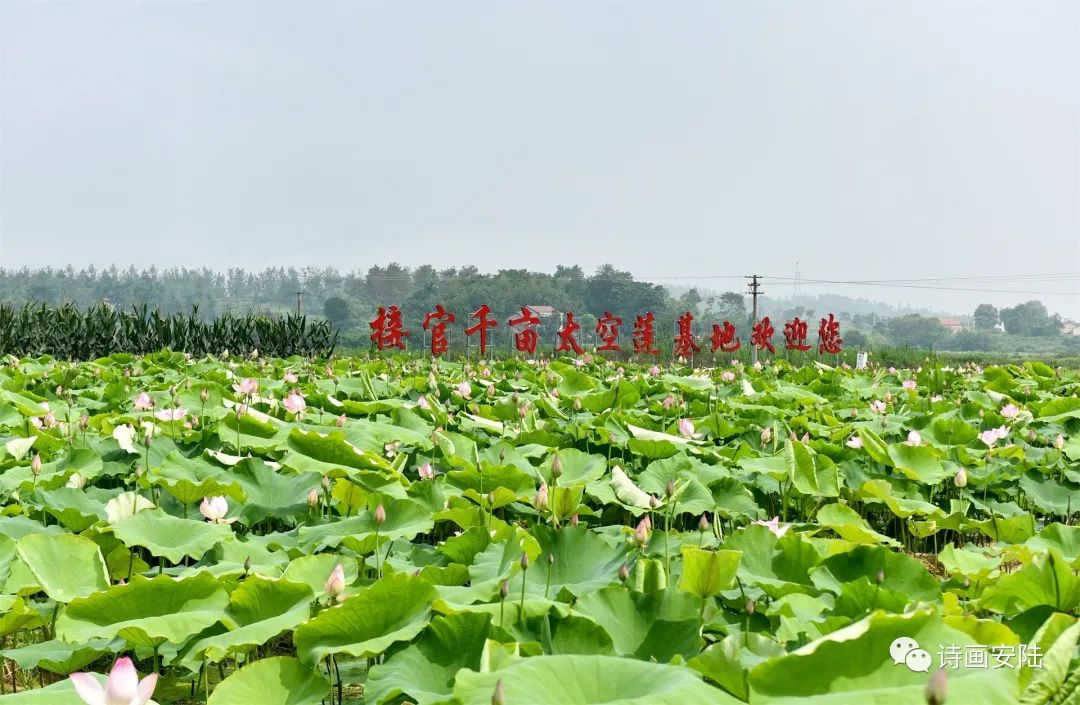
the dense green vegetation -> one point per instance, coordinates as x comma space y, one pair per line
296, 531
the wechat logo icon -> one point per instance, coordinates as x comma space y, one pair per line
906, 651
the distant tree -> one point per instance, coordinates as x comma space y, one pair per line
731, 307
854, 339
336, 309
1030, 318
986, 317
916, 331
969, 340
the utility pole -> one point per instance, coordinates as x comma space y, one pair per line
299, 294
755, 290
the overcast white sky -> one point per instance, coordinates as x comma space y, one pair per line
866, 140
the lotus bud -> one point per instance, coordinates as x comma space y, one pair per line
1059, 442
499, 696
148, 438
935, 689
806, 437
247, 565
35, 464
504, 589
703, 524
641, 533
550, 559
961, 478
654, 501
541, 500
491, 499
502, 455
669, 401
335, 584
84, 422
879, 577
380, 515
750, 607
241, 410
577, 404
204, 395
340, 421
523, 411
766, 435
574, 520
669, 488
624, 573
524, 561
313, 498
966, 583
426, 471
556, 466
326, 483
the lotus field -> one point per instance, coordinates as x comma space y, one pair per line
252, 531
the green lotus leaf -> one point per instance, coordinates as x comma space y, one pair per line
846, 522
1047, 580
147, 611
271, 493
272, 681
708, 573
57, 656
394, 609
65, 566
170, 537
656, 626
587, 680
728, 662
405, 519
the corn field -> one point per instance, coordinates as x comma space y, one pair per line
69, 332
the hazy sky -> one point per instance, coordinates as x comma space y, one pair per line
866, 140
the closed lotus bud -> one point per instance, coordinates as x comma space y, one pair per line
523, 411
703, 524
961, 478
35, 464
491, 499
879, 577
499, 696
524, 561
340, 421
669, 488
935, 689
241, 409
577, 404
574, 520
502, 454
641, 533
380, 515
624, 573
750, 607
326, 483
669, 401
766, 434
313, 498
148, 439
556, 466
204, 395
426, 471
806, 437
541, 500
247, 565
654, 501
966, 583
550, 559
1059, 442
335, 584
84, 422
504, 589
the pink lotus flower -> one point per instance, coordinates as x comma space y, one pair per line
727, 376
1059, 442
247, 387
143, 402
291, 378
913, 439
773, 525
854, 442
991, 436
686, 428
122, 687
766, 434
578, 362
294, 403
541, 500
909, 384
641, 533
669, 401
1010, 411
892, 370
654, 370
426, 471
176, 414
423, 403
215, 509
877, 406
335, 584
464, 389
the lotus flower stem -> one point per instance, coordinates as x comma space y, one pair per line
337, 677
378, 556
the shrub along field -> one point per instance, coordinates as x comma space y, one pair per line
289, 531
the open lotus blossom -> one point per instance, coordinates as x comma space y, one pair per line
291, 378
909, 384
215, 509
686, 428
294, 403
335, 584
143, 401
993, 435
913, 439
727, 376
877, 406
936, 398
426, 471
423, 403
176, 414
247, 387
892, 370
122, 687
76, 481
854, 442
773, 525
1010, 411
654, 370
464, 389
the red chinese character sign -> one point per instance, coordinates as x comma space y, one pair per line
567, 341
829, 340
724, 338
481, 326
387, 330
644, 337
795, 335
761, 337
525, 335
607, 329
435, 321
684, 339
